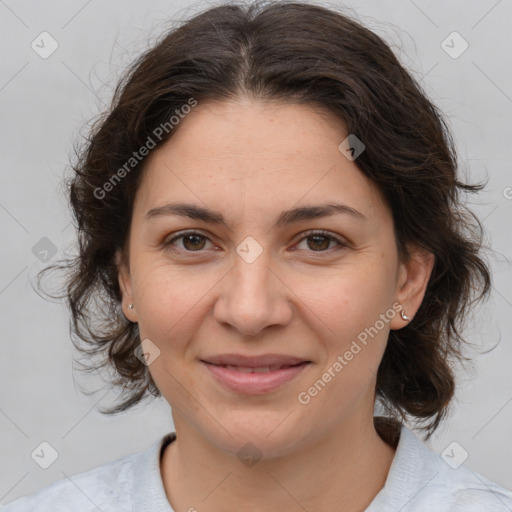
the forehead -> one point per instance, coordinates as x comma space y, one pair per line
265, 154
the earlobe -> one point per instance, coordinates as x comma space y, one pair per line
126, 288
412, 282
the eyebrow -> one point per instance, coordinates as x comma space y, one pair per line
287, 217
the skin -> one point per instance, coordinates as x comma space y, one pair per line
302, 296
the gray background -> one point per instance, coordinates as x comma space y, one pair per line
45, 102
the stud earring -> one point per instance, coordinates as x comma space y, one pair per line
404, 316
130, 306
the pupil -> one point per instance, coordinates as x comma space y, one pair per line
193, 237
316, 237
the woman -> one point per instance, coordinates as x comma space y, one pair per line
270, 214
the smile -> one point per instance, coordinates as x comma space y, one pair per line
254, 380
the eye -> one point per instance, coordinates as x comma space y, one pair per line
321, 240
194, 241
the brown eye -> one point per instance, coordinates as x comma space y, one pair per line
319, 241
191, 242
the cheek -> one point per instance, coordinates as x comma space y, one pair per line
166, 299
351, 298
356, 307
355, 349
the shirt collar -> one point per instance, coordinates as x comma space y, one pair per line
148, 493
410, 471
413, 467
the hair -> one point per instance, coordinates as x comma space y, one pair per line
303, 54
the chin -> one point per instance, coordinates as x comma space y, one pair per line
258, 437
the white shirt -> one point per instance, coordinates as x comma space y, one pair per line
419, 480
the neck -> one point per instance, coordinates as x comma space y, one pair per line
347, 467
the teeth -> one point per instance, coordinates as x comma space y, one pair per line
245, 369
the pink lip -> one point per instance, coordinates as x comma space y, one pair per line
254, 383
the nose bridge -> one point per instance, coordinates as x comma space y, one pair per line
252, 296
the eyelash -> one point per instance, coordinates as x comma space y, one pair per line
306, 235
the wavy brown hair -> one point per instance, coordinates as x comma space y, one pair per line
305, 54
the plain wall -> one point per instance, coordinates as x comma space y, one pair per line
45, 102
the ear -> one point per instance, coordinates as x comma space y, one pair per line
413, 278
125, 285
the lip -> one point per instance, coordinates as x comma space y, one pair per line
254, 361
254, 383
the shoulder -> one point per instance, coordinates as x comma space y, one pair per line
106, 488
465, 490
420, 479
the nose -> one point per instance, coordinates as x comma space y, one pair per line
253, 297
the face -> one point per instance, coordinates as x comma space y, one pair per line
323, 289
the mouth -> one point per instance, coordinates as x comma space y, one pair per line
255, 378
275, 361
259, 369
